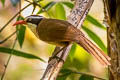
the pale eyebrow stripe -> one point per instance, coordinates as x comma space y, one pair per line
35, 17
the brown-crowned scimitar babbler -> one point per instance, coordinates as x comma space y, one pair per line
62, 33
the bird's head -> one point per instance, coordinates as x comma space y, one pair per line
31, 21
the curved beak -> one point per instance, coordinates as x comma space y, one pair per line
19, 22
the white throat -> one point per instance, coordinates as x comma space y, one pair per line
33, 28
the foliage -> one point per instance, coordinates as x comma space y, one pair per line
19, 53
21, 32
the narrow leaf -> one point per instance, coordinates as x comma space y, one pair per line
95, 38
21, 32
60, 11
19, 53
86, 77
47, 7
95, 22
3, 2
68, 4
21, 35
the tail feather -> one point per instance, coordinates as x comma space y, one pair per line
94, 50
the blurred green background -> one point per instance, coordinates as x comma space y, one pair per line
30, 67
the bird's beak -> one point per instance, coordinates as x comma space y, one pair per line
19, 22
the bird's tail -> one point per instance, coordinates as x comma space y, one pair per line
94, 50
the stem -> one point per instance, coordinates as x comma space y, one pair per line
34, 6
2, 77
82, 73
88, 75
35, 3
14, 17
7, 37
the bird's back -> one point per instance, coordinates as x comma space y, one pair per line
57, 32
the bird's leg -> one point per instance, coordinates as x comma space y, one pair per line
56, 53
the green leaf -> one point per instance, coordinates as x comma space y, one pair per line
60, 11
95, 22
95, 38
21, 32
86, 77
21, 35
3, 2
68, 4
19, 53
72, 51
47, 7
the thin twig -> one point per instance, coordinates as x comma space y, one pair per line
14, 17
7, 37
28, 1
82, 73
34, 6
35, 3
88, 75
6, 65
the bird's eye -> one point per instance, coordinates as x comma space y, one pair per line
29, 20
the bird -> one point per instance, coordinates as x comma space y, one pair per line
62, 33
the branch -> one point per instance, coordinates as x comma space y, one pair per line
76, 18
